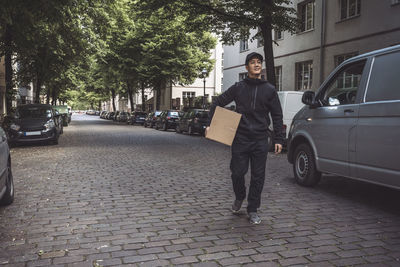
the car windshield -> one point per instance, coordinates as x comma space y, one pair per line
203, 115
33, 112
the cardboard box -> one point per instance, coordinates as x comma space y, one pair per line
223, 126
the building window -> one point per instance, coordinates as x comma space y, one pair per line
278, 35
303, 75
340, 58
242, 76
349, 8
278, 78
188, 94
244, 45
306, 13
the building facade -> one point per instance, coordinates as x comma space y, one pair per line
330, 32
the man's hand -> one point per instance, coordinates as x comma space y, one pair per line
207, 128
278, 148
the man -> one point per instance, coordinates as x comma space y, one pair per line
254, 99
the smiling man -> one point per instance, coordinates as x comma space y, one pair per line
255, 99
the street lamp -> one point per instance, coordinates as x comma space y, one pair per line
204, 72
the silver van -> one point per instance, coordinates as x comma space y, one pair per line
351, 126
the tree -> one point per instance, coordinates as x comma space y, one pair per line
233, 20
173, 51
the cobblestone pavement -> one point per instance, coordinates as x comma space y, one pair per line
118, 195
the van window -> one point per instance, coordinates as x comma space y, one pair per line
342, 89
385, 78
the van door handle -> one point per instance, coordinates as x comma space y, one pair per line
348, 110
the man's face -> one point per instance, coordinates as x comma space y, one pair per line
254, 68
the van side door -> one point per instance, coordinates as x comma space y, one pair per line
378, 127
333, 124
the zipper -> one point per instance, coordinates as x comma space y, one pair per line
255, 98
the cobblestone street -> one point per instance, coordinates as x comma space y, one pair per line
119, 195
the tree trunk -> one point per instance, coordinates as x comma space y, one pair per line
158, 95
38, 87
113, 99
143, 98
48, 96
8, 67
266, 30
54, 97
130, 95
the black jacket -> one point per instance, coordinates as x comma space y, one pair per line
254, 99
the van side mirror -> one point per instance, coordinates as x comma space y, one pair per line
309, 99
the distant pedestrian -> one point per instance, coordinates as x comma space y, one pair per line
255, 99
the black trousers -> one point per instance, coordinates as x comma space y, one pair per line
243, 152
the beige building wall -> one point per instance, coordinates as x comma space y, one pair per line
377, 26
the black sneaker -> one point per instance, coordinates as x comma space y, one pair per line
254, 218
237, 204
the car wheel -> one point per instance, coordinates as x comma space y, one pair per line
190, 130
164, 126
271, 145
304, 168
8, 196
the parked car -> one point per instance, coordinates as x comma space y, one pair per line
193, 121
168, 119
63, 111
151, 118
6, 177
350, 126
137, 117
110, 115
35, 122
114, 117
122, 116
103, 114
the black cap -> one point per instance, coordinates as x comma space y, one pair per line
253, 55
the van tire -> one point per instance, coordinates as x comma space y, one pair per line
304, 168
8, 196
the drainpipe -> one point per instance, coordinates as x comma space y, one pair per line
322, 46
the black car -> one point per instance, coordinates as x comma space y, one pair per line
6, 177
193, 121
151, 119
35, 122
114, 117
122, 116
137, 117
168, 119
110, 115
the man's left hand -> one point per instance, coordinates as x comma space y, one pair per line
278, 148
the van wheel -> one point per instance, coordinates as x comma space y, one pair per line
304, 169
8, 196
